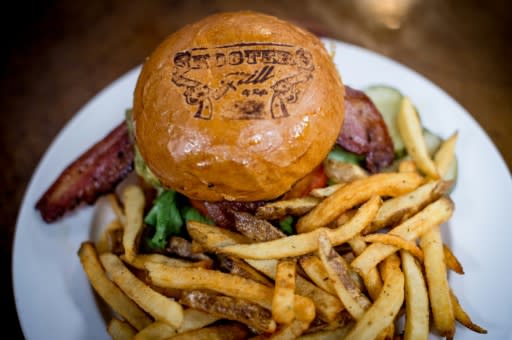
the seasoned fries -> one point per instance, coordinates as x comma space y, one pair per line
416, 299
230, 331
226, 307
327, 305
434, 214
111, 293
411, 131
400, 208
338, 271
284, 291
462, 317
313, 266
134, 201
279, 209
120, 330
366, 260
302, 244
157, 330
383, 311
159, 306
357, 192
212, 238
451, 260
445, 156
397, 241
195, 319
439, 290
341, 172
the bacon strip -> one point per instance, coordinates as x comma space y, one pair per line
364, 131
94, 173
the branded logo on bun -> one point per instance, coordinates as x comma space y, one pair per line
267, 76
237, 106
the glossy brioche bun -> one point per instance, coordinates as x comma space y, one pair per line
237, 106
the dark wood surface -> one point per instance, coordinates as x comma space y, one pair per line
57, 54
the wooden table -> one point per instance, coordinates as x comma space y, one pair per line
60, 53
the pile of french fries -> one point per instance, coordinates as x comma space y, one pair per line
367, 262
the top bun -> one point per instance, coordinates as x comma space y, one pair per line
237, 106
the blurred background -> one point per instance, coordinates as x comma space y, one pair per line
56, 55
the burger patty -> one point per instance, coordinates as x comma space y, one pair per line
98, 170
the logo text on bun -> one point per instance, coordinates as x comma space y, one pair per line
267, 76
237, 106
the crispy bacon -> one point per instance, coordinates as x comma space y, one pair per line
364, 131
94, 173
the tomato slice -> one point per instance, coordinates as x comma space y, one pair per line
315, 179
200, 206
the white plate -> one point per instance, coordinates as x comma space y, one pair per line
54, 299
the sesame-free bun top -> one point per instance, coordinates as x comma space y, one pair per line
237, 106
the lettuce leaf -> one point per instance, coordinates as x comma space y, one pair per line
168, 215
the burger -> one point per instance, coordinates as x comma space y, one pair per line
238, 107
229, 112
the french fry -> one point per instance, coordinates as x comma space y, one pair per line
328, 306
291, 330
228, 331
230, 308
236, 266
284, 291
108, 291
120, 330
352, 298
326, 191
371, 279
451, 260
434, 214
355, 193
437, 281
140, 260
195, 319
315, 270
344, 218
158, 330
302, 244
343, 172
278, 209
134, 201
396, 241
183, 248
330, 334
227, 284
255, 228
463, 317
107, 240
407, 165
159, 306
398, 209
411, 132
416, 299
342, 319
213, 237
445, 155
390, 266
116, 208
383, 311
